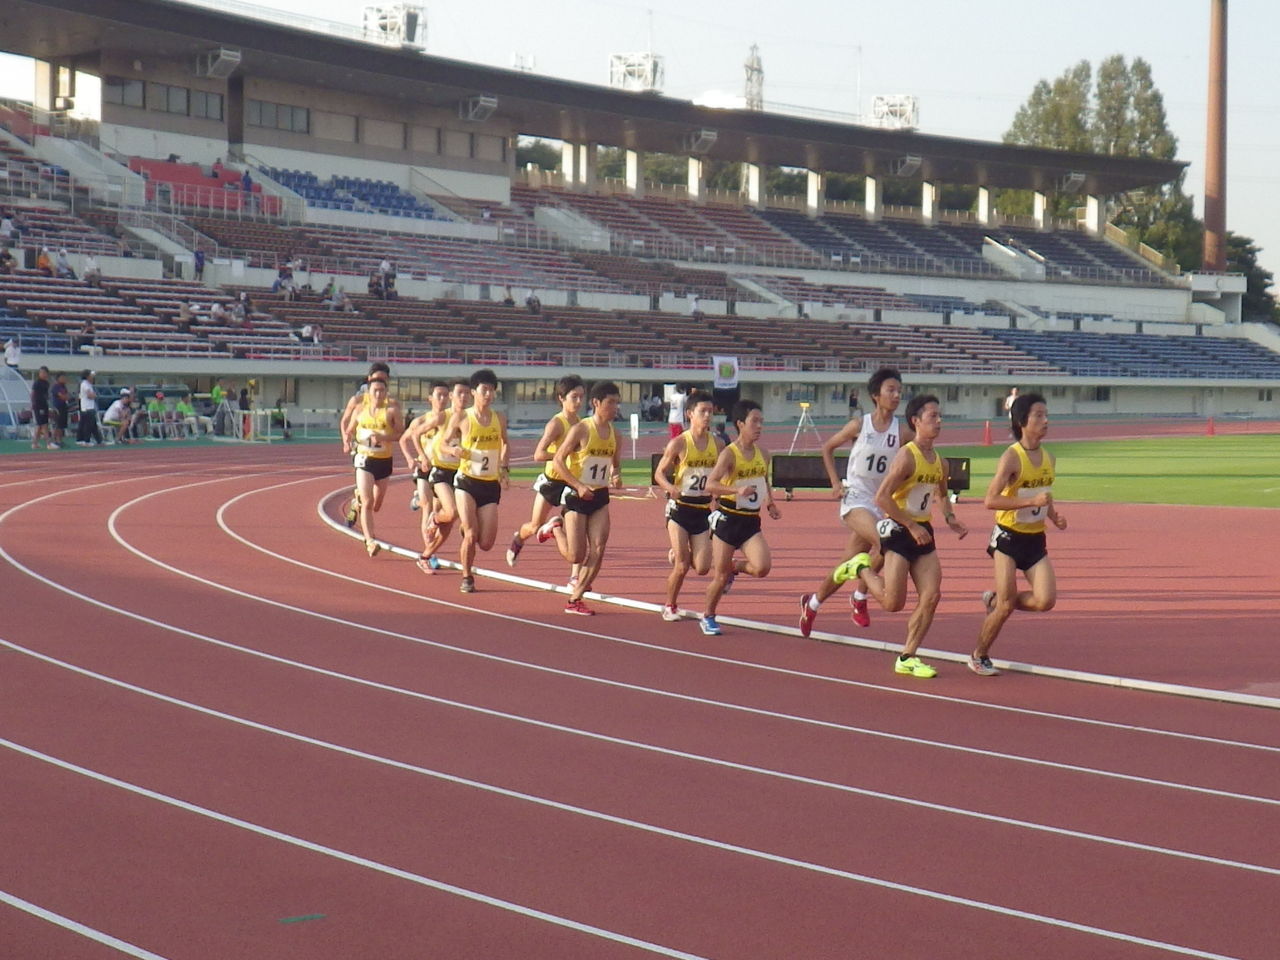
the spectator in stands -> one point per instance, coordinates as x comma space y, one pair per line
8, 229
44, 262
288, 287
8, 263
190, 420
387, 271
199, 266
376, 287
186, 316
532, 303
238, 317
326, 294
158, 414
87, 432
12, 353
92, 272
60, 401
247, 301
509, 299
854, 409
40, 410
119, 416
63, 266
246, 181
218, 313
695, 308
85, 340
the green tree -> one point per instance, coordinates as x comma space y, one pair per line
1121, 114
1242, 257
538, 152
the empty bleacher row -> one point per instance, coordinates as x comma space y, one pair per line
141, 317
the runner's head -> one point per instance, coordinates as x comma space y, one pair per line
571, 391
699, 408
460, 392
748, 418
1022, 411
924, 408
885, 388
484, 387
604, 398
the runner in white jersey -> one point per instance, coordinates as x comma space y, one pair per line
877, 437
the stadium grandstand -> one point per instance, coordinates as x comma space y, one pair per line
231, 147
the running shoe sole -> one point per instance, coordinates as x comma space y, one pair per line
807, 615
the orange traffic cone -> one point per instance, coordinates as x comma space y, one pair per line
1209, 430
986, 434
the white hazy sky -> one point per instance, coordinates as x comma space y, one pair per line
970, 65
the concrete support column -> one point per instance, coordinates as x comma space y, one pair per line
697, 180
587, 167
1095, 215
1040, 209
985, 212
634, 172
753, 184
569, 165
930, 191
816, 195
874, 204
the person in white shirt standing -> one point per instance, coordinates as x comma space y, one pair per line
675, 415
87, 433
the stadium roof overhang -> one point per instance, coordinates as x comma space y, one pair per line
78, 30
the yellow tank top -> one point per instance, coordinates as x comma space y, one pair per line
427, 441
439, 458
1029, 482
694, 470
592, 463
482, 448
746, 471
915, 495
550, 467
371, 420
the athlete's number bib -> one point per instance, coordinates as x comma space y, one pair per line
595, 471
1030, 515
484, 464
366, 442
753, 497
694, 482
873, 466
919, 499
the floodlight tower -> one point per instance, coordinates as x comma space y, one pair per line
1215, 160
402, 23
753, 96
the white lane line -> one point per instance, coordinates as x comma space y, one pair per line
697, 655
617, 684
345, 857
764, 626
636, 745
1089, 771
66, 923
587, 928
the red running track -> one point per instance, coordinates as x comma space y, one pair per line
228, 733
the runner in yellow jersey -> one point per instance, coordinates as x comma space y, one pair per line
692, 456
416, 444
917, 479
740, 481
548, 488
377, 371
589, 459
371, 433
444, 468
478, 438
1021, 493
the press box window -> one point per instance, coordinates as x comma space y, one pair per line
126, 93
166, 98
206, 105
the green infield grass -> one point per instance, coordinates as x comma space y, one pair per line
1228, 471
